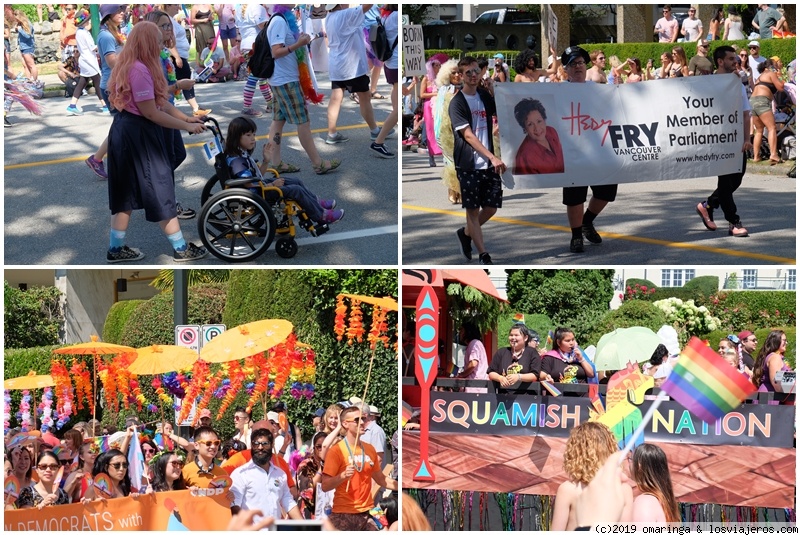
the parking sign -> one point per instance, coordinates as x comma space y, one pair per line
209, 332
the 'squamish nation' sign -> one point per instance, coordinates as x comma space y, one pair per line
609, 134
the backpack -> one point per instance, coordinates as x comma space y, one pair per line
380, 42
261, 64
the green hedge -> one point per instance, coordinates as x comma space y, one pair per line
630, 314
152, 322
117, 318
786, 49
754, 310
640, 282
708, 284
31, 317
538, 322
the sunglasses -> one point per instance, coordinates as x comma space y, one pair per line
318, 447
44, 467
166, 27
239, 417
119, 466
148, 450
359, 420
177, 464
209, 443
262, 445
472, 72
65, 462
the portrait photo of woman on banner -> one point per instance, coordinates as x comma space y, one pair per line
540, 151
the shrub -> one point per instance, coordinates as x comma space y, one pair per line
714, 337
560, 294
708, 284
629, 314
688, 318
754, 310
538, 322
33, 317
117, 318
641, 282
152, 322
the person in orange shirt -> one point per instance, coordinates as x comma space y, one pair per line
67, 33
202, 471
350, 468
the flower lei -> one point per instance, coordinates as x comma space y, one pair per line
46, 409
356, 327
63, 392
24, 414
169, 69
6, 411
83, 384
306, 83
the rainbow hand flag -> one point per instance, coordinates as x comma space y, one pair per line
519, 318
548, 343
407, 412
705, 384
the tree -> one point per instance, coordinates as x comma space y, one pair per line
33, 317
166, 277
416, 12
560, 294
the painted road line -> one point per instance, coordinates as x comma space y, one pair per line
187, 145
329, 237
639, 239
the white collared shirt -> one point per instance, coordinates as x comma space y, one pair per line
256, 488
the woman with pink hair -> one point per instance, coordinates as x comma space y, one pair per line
140, 170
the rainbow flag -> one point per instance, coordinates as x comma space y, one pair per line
519, 318
407, 412
705, 384
550, 387
548, 344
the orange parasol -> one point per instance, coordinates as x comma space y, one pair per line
29, 382
158, 359
246, 340
387, 303
95, 347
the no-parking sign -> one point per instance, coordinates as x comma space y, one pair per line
209, 332
188, 336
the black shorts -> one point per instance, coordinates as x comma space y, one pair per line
391, 75
359, 84
480, 188
577, 194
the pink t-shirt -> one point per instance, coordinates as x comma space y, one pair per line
141, 86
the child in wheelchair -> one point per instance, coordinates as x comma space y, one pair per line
239, 146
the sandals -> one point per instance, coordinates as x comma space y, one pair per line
326, 167
354, 98
775, 162
284, 167
377, 96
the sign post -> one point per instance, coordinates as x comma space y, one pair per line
413, 50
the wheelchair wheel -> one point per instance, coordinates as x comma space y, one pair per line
286, 247
236, 225
212, 186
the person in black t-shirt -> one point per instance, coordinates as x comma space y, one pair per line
563, 364
514, 365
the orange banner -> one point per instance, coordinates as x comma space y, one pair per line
162, 511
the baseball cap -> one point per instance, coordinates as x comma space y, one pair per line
106, 10
319, 413
702, 42
572, 53
498, 56
205, 413
744, 334
775, 58
329, 7
753, 43
273, 416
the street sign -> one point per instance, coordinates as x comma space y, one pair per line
413, 51
188, 336
209, 332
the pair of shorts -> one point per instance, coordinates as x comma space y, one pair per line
760, 105
359, 84
480, 188
577, 194
391, 75
352, 522
228, 33
29, 51
289, 104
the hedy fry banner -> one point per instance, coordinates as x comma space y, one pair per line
598, 134
162, 511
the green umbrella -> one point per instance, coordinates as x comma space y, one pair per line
616, 349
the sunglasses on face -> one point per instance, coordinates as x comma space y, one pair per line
166, 27
176, 464
44, 467
359, 420
119, 466
239, 417
209, 443
148, 450
472, 72
65, 462
262, 445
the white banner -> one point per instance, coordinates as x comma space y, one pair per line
413, 51
597, 134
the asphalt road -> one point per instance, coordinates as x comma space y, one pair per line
56, 209
649, 223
